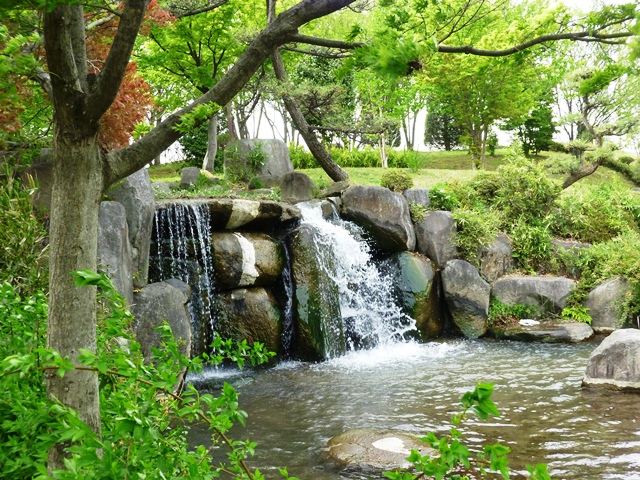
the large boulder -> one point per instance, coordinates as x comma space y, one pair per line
246, 259
251, 314
383, 213
318, 327
419, 196
136, 194
275, 163
467, 297
546, 331
435, 235
416, 289
604, 303
235, 213
547, 294
159, 302
368, 449
189, 177
297, 187
496, 260
114, 250
615, 363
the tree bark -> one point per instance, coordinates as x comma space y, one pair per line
584, 171
212, 145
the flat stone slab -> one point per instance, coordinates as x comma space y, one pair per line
368, 449
546, 331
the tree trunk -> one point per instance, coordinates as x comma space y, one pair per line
76, 194
383, 151
583, 171
318, 151
483, 148
212, 145
231, 123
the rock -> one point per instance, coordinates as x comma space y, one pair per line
380, 450
42, 173
415, 287
246, 259
546, 331
251, 314
275, 162
419, 196
189, 177
467, 297
297, 187
569, 245
496, 260
136, 194
334, 190
270, 182
159, 302
254, 215
435, 235
318, 319
547, 294
162, 187
383, 213
604, 303
615, 363
114, 249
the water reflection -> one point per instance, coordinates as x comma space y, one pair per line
546, 417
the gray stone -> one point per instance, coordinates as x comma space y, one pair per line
546, 331
383, 213
162, 187
114, 249
467, 297
569, 245
277, 161
252, 215
159, 302
435, 235
419, 196
251, 314
42, 173
246, 259
297, 187
547, 294
189, 177
615, 363
416, 288
136, 194
270, 181
604, 303
368, 449
318, 319
496, 260
334, 190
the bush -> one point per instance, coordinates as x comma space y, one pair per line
417, 211
626, 159
501, 314
449, 196
492, 144
301, 158
532, 247
476, 229
23, 254
396, 181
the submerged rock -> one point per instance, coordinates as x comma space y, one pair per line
379, 450
615, 363
546, 331
467, 296
383, 213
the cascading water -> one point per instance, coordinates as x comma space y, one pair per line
181, 248
369, 313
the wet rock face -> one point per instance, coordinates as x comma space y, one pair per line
246, 259
375, 450
467, 296
615, 363
383, 213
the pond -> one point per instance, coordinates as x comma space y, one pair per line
546, 417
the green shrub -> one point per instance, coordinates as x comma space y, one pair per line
578, 313
626, 159
476, 229
23, 254
301, 157
502, 314
449, 196
241, 167
417, 211
531, 244
255, 183
396, 180
492, 144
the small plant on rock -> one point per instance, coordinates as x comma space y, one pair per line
396, 181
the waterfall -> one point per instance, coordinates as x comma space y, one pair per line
181, 248
370, 315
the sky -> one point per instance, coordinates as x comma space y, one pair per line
587, 5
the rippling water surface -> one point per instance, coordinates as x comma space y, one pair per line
546, 417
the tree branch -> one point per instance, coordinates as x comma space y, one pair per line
324, 42
191, 13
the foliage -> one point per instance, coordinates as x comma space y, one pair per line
454, 457
441, 130
475, 229
531, 244
144, 423
492, 144
194, 143
301, 157
242, 166
23, 254
578, 313
396, 181
415, 160
536, 131
502, 314
417, 211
